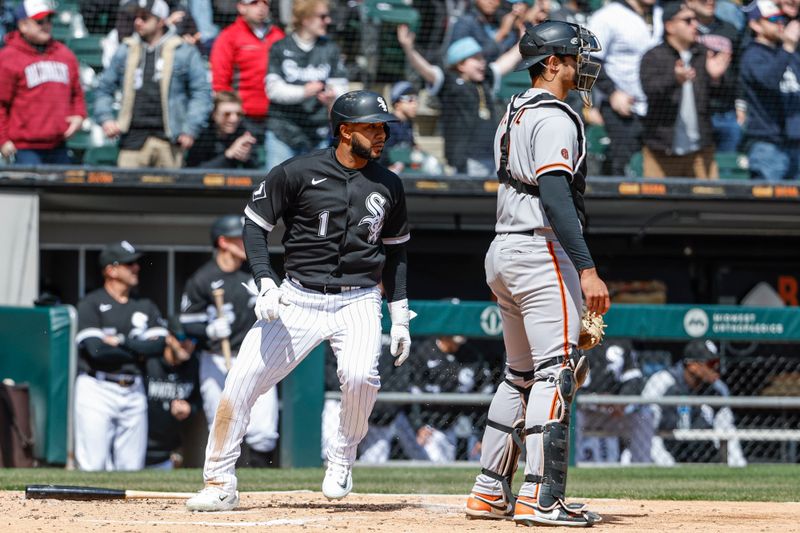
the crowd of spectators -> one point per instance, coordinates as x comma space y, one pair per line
169, 75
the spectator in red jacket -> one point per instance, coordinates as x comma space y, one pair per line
41, 100
241, 52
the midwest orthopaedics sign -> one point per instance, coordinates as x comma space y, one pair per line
762, 323
744, 323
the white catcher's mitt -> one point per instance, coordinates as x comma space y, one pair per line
592, 330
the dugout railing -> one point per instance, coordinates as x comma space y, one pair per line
657, 323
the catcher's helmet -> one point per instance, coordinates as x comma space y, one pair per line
553, 37
360, 107
227, 226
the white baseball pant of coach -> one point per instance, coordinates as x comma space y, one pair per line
351, 321
110, 424
262, 432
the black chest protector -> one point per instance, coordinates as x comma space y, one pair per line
578, 182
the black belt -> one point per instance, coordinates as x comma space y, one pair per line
123, 380
531, 232
326, 289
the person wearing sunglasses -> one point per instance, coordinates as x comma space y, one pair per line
41, 100
677, 132
770, 70
225, 142
117, 334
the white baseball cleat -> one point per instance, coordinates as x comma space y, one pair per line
338, 481
213, 499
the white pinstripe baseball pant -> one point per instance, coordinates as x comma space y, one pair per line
351, 321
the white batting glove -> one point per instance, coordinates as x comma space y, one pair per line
401, 337
269, 301
219, 328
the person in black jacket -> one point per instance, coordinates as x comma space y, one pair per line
677, 133
224, 143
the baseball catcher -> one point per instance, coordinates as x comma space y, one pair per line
540, 269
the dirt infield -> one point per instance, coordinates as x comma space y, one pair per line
305, 511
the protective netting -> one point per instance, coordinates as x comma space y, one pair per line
448, 79
705, 402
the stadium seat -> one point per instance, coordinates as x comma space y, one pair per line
597, 140
513, 83
732, 165
101, 156
634, 167
68, 23
261, 155
88, 50
80, 141
387, 60
392, 12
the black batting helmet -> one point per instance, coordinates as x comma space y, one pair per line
360, 107
554, 37
227, 226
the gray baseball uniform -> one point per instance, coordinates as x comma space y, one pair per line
536, 284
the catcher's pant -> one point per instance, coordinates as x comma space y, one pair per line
539, 295
262, 432
110, 424
351, 321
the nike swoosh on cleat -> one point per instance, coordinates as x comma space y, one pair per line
500, 506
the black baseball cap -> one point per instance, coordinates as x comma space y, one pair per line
700, 351
670, 9
119, 253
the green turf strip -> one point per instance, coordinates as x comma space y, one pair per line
706, 482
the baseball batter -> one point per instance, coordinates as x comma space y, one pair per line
201, 321
116, 334
537, 266
346, 232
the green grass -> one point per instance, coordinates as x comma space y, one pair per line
696, 482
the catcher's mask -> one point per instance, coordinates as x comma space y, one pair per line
553, 37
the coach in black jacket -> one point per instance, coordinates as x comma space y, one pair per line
679, 76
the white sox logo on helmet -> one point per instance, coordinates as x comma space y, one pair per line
382, 104
374, 203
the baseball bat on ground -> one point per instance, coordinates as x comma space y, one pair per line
67, 492
219, 301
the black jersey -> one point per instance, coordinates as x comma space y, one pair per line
166, 383
304, 124
198, 307
99, 315
469, 118
337, 219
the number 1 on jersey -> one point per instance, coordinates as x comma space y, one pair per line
323, 224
